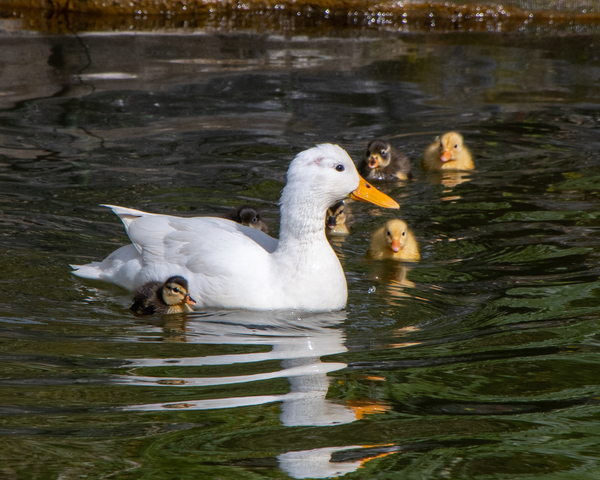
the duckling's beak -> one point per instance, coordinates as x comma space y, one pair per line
396, 247
332, 221
446, 155
368, 193
189, 300
374, 162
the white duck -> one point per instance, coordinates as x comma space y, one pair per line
233, 266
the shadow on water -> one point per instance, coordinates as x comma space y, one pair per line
479, 361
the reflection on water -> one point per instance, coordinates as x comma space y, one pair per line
299, 343
480, 360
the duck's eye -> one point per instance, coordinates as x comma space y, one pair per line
456, 146
176, 290
389, 233
340, 168
403, 234
254, 220
383, 152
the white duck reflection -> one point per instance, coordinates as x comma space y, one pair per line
298, 340
319, 462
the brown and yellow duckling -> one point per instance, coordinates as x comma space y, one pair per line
336, 219
394, 240
249, 217
163, 298
448, 152
384, 162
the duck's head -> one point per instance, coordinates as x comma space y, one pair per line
378, 154
327, 174
175, 292
250, 217
396, 234
336, 215
451, 145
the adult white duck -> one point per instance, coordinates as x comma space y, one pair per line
232, 266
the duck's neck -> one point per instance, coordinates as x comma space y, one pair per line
302, 220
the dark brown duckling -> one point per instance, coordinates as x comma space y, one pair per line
384, 162
336, 219
249, 217
163, 298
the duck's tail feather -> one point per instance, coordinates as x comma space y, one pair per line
120, 267
127, 215
91, 270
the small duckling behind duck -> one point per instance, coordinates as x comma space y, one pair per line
394, 240
336, 219
249, 217
163, 298
384, 162
448, 152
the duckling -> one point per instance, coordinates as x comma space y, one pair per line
448, 152
163, 298
384, 162
394, 240
336, 219
249, 217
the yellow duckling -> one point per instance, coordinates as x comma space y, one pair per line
336, 219
384, 162
163, 298
448, 152
249, 217
394, 240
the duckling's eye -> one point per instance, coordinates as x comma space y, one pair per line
340, 168
176, 290
456, 146
403, 234
389, 233
254, 220
383, 152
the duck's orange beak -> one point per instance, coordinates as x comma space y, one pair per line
396, 247
446, 155
189, 300
368, 193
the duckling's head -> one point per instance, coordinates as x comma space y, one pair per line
175, 292
378, 154
336, 215
451, 146
396, 234
250, 217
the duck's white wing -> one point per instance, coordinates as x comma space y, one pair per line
217, 256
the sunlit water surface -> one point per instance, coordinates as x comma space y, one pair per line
481, 361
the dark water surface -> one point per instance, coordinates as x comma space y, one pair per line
481, 361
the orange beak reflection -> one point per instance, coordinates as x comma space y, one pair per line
368, 193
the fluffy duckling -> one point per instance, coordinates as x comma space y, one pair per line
249, 217
336, 219
384, 162
163, 298
448, 152
394, 240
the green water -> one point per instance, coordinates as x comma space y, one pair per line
481, 361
